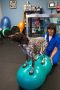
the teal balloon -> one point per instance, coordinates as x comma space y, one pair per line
41, 70
30, 82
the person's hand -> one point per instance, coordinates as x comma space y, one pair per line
51, 60
40, 52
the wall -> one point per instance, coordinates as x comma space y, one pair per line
0, 11
16, 15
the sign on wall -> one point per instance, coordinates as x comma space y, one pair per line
52, 4
13, 4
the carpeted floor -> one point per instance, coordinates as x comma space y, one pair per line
11, 57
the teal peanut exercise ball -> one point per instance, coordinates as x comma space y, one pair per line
31, 82
42, 67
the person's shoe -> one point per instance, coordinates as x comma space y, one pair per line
31, 71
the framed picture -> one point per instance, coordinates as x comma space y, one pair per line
52, 4
13, 4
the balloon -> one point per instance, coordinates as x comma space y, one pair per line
21, 26
6, 32
34, 81
5, 22
15, 29
30, 82
0, 31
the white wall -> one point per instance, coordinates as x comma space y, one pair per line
0, 11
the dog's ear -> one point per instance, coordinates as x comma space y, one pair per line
24, 39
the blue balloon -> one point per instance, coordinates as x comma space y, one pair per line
5, 22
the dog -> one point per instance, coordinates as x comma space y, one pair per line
31, 46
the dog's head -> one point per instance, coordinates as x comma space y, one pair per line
20, 38
17, 36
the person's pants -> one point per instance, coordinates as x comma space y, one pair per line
56, 57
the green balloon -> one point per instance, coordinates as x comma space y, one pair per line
0, 32
5, 32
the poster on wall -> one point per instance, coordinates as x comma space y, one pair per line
52, 4
13, 4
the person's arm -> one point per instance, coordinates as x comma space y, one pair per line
53, 52
41, 50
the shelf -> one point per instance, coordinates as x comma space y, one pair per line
55, 15
44, 15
